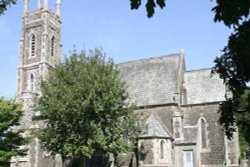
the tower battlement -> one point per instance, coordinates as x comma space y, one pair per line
42, 7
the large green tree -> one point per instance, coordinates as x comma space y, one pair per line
85, 106
10, 140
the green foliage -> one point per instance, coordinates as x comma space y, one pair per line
233, 65
236, 112
4, 4
10, 113
150, 5
84, 103
244, 148
243, 121
232, 12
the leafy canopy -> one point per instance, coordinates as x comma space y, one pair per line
10, 114
84, 104
4, 4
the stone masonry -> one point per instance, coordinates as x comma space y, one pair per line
181, 109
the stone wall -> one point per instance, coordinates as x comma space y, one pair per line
214, 154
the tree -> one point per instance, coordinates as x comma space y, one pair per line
4, 4
10, 140
85, 107
233, 65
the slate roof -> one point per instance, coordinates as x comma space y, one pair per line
203, 87
152, 81
155, 128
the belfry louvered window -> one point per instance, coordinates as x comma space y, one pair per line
52, 51
33, 45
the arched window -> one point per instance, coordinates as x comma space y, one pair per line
162, 145
203, 133
33, 45
32, 82
52, 47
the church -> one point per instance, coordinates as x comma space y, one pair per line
180, 106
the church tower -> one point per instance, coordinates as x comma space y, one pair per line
40, 46
40, 50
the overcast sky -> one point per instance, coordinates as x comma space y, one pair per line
123, 34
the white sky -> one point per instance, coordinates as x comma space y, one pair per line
123, 34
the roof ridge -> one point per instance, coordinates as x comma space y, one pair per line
150, 58
201, 69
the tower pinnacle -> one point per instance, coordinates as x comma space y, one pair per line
26, 7
58, 7
46, 4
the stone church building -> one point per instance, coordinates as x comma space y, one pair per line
180, 106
